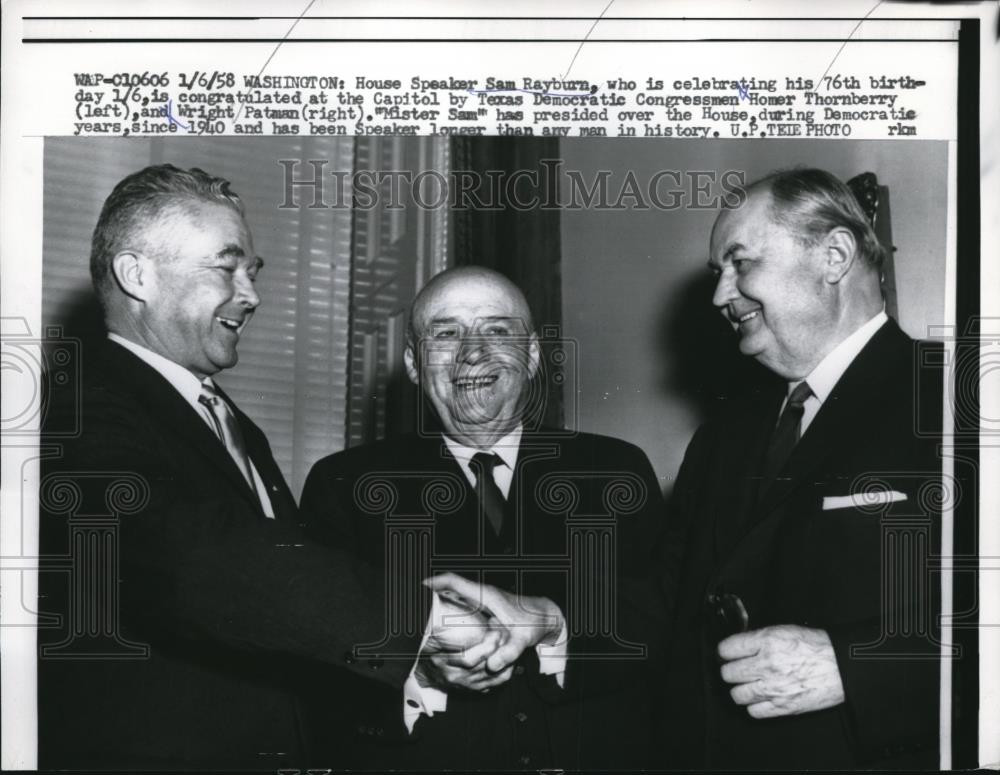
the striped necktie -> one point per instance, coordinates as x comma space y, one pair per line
227, 429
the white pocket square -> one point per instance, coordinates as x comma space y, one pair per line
869, 500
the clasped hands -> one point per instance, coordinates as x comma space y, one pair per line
479, 631
781, 671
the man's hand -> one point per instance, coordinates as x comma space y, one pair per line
454, 655
781, 671
528, 621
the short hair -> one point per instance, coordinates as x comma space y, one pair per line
140, 199
810, 202
471, 271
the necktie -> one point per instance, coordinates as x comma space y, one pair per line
490, 497
227, 429
786, 434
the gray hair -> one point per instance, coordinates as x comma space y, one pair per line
811, 202
142, 198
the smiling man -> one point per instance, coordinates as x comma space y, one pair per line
190, 603
805, 634
502, 501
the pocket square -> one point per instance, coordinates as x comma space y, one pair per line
869, 500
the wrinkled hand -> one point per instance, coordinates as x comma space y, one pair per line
528, 621
460, 640
781, 671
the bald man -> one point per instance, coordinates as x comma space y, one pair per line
807, 609
507, 503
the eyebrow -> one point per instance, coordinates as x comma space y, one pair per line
234, 250
734, 248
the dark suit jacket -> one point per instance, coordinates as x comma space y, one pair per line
186, 614
860, 574
601, 719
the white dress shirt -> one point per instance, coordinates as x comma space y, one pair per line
189, 386
419, 700
824, 378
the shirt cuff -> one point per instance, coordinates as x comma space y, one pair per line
552, 657
422, 700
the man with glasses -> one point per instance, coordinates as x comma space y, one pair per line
559, 523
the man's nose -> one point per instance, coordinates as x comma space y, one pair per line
472, 350
725, 290
246, 293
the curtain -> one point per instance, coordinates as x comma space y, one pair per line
522, 243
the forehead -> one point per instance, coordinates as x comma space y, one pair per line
466, 300
197, 229
745, 226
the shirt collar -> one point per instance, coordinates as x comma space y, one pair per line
506, 448
824, 378
183, 381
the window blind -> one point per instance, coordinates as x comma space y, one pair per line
292, 374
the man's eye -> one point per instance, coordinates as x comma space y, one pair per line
741, 264
445, 333
497, 331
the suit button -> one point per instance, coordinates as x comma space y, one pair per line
518, 669
379, 731
525, 760
349, 657
521, 716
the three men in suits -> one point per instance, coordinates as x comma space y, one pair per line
557, 517
806, 610
190, 603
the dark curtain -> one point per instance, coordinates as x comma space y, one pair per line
517, 234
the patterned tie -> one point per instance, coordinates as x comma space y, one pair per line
490, 497
227, 429
786, 434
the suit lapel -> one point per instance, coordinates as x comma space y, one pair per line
526, 521
455, 532
281, 498
176, 416
855, 399
743, 446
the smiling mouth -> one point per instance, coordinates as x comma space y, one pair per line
474, 383
236, 326
745, 317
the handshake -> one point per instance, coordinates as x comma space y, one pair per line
478, 631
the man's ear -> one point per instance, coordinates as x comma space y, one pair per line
133, 273
534, 355
839, 251
410, 360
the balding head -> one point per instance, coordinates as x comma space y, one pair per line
469, 282
473, 351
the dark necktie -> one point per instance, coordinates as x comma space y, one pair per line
490, 497
227, 429
786, 434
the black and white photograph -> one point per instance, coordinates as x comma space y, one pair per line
498, 451
368, 349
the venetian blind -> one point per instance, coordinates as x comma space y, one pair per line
292, 374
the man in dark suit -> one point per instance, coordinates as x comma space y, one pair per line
558, 517
190, 602
805, 634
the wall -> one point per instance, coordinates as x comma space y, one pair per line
636, 293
